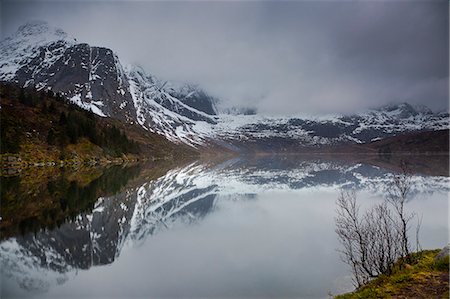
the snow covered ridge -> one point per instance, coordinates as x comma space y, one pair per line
95, 79
332, 129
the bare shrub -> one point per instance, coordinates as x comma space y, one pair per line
396, 196
373, 241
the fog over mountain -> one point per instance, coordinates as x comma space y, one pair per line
278, 57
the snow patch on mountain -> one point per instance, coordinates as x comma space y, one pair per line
91, 106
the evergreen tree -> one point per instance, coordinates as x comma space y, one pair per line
50, 94
63, 140
44, 107
51, 108
22, 97
62, 119
72, 132
59, 97
10, 142
51, 137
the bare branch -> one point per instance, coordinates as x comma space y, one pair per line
374, 241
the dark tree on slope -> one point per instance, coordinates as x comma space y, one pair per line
10, 136
62, 119
51, 137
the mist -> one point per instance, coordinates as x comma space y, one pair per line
278, 57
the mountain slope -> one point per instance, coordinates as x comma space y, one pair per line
42, 128
94, 78
290, 134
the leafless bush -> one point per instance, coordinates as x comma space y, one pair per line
396, 197
373, 241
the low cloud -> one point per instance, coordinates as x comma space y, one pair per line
281, 58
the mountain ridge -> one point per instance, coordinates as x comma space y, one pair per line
95, 79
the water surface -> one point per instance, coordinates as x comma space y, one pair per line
247, 227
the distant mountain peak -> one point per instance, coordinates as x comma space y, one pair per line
422, 109
405, 110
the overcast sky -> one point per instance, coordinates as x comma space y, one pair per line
280, 57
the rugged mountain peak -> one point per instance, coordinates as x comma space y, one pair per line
17, 50
38, 27
193, 96
140, 74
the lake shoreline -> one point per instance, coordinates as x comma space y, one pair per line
421, 163
427, 277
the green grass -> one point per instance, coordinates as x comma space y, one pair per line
425, 278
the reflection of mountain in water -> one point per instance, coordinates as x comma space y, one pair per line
269, 173
49, 257
49, 199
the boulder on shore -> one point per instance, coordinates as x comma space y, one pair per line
443, 253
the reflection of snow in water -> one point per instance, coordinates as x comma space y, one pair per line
124, 222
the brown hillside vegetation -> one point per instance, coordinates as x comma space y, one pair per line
39, 127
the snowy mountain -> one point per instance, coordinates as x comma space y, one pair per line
279, 133
44, 57
94, 78
38, 261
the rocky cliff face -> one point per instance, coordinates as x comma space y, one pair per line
91, 77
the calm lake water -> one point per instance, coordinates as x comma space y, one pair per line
244, 228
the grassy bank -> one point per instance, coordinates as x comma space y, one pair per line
425, 278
